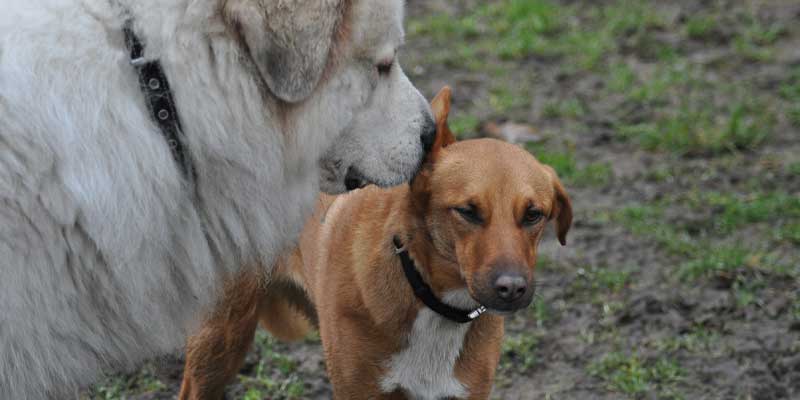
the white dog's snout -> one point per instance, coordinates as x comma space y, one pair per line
387, 141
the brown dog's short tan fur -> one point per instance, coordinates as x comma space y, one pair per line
471, 221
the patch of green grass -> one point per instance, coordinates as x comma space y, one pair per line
540, 311
754, 42
621, 77
751, 51
508, 29
648, 220
698, 340
746, 290
149, 383
253, 394
443, 27
519, 353
790, 91
122, 387
763, 34
631, 375
612, 280
592, 174
522, 26
570, 108
701, 256
714, 261
463, 125
794, 168
666, 79
562, 161
113, 388
789, 232
695, 128
586, 49
545, 263
679, 109
609, 308
518, 29
629, 18
732, 211
666, 371
701, 27
746, 126
266, 346
795, 311
505, 98
794, 115
659, 174
598, 278
604, 29
313, 337
275, 375
264, 385
455, 38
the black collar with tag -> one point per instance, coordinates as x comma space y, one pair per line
425, 294
158, 97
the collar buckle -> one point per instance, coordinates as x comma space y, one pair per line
399, 247
477, 312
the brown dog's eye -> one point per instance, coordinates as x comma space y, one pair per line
470, 214
532, 217
385, 67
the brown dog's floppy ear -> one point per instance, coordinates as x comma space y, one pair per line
562, 208
289, 41
441, 109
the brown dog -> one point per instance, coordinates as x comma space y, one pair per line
464, 234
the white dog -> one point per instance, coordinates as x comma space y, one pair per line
104, 242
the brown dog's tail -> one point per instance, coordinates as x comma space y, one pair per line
286, 310
283, 320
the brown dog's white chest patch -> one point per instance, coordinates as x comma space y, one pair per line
424, 368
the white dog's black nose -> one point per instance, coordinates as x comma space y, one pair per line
354, 180
428, 135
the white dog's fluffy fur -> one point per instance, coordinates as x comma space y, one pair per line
103, 245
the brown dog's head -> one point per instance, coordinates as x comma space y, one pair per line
485, 204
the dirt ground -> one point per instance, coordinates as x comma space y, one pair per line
676, 128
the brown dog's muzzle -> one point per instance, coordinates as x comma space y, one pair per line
505, 287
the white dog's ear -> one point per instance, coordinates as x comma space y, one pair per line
289, 40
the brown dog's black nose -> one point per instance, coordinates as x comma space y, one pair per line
510, 286
428, 135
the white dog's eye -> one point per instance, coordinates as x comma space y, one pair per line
384, 67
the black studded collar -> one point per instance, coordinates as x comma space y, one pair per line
159, 100
425, 294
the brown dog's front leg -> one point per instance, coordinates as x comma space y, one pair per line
216, 352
